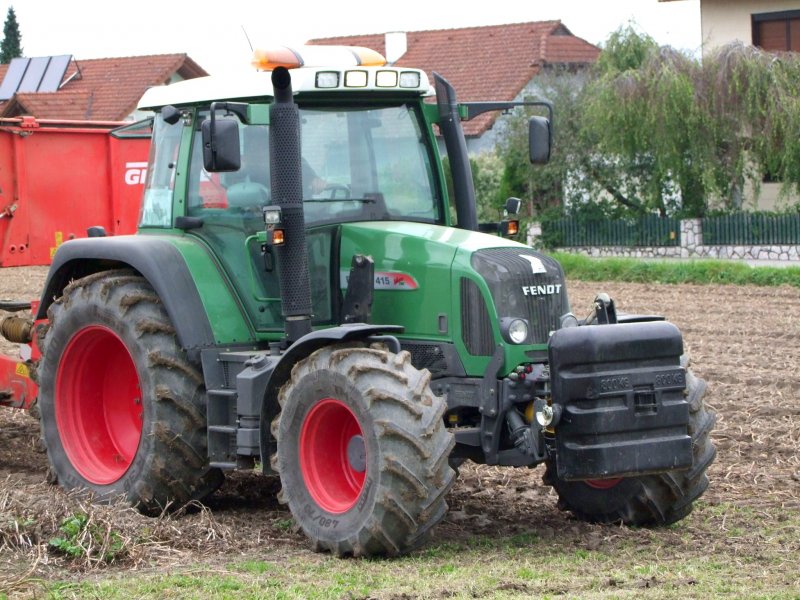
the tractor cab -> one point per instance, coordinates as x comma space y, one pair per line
367, 155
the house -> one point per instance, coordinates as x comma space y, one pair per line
773, 25
497, 62
102, 89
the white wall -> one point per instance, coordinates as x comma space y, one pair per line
724, 21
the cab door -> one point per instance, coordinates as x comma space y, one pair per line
230, 206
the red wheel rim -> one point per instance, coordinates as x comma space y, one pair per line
603, 484
333, 475
98, 404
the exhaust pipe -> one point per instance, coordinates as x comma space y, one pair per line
286, 178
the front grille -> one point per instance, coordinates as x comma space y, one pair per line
427, 356
476, 325
525, 284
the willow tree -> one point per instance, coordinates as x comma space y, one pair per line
754, 97
582, 175
653, 129
699, 130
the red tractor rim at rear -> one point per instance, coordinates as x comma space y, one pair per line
98, 405
603, 484
332, 456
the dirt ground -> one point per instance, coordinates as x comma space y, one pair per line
745, 341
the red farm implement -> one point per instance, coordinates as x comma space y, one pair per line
58, 178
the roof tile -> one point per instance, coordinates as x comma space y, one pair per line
107, 89
485, 63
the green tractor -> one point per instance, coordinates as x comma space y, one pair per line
299, 300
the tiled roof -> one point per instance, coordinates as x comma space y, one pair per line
107, 89
485, 63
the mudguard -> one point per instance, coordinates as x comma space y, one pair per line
159, 261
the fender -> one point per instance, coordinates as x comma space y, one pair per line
159, 261
299, 350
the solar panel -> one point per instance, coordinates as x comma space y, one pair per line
14, 75
55, 73
33, 75
42, 74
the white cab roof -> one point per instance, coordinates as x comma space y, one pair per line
258, 85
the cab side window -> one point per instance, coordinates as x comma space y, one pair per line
247, 188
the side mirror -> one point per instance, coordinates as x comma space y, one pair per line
221, 144
539, 140
513, 205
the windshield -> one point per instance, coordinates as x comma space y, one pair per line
366, 164
358, 164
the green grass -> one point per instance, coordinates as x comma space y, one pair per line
721, 550
597, 575
578, 266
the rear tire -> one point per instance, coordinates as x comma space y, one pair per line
650, 499
362, 451
122, 408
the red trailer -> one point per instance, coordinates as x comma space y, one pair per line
58, 178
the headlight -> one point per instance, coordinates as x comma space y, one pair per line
569, 320
514, 330
328, 79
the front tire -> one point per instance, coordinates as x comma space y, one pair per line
362, 451
649, 499
122, 408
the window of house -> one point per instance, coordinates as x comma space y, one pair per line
777, 31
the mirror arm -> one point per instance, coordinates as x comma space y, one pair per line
237, 108
478, 108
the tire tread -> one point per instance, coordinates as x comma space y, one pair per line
413, 474
176, 472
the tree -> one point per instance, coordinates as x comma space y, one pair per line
11, 46
651, 129
700, 129
566, 178
640, 111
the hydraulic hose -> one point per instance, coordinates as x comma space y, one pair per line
14, 306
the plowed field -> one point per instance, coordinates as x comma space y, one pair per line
745, 341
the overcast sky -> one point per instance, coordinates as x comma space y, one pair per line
214, 37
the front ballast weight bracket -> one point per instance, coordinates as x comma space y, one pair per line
497, 398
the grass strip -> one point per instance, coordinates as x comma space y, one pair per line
578, 266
